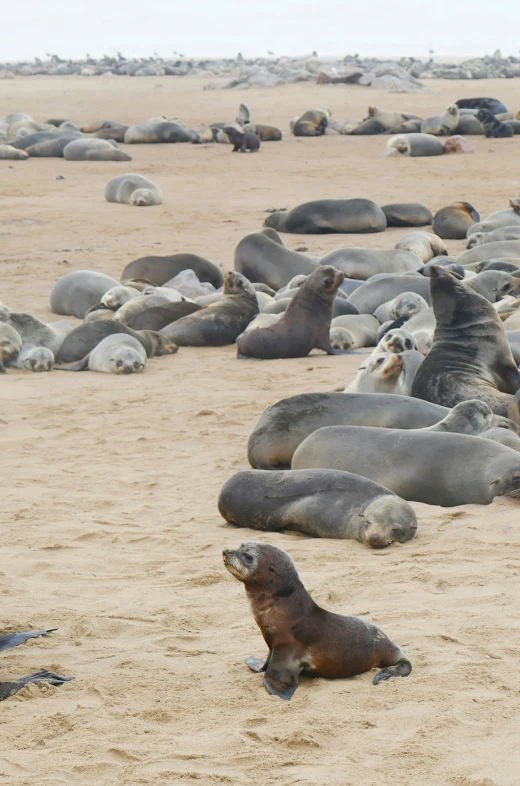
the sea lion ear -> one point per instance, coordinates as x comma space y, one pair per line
371, 111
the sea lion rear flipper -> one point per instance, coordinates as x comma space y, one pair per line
258, 664
78, 365
402, 668
281, 677
7, 689
14, 639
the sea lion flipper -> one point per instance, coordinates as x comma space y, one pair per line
45, 676
258, 664
14, 639
281, 677
402, 668
78, 365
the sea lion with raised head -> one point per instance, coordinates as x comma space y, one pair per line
318, 503
325, 216
493, 127
387, 372
262, 258
301, 636
305, 324
444, 124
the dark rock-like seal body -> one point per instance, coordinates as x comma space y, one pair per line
74, 293
319, 503
284, 425
407, 215
470, 356
494, 127
222, 321
424, 466
329, 215
301, 636
305, 325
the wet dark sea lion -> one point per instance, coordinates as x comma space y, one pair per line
325, 216
159, 270
284, 425
262, 258
305, 325
407, 215
318, 503
11, 687
158, 317
493, 104
242, 140
470, 356
301, 636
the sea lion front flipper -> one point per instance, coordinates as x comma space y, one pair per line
402, 668
78, 365
14, 639
281, 677
258, 664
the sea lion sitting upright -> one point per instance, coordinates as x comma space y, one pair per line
324, 216
301, 636
494, 127
305, 324
470, 356
444, 124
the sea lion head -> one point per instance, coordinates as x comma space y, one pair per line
484, 115
388, 519
40, 359
341, 338
470, 417
142, 197
407, 304
453, 110
397, 341
126, 360
507, 481
451, 299
401, 144
515, 204
10, 342
237, 284
118, 296
476, 239
161, 345
384, 365
324, 281
261, 564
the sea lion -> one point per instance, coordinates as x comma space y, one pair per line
499, 249
158, 317
395, 340
76, 292
444, 124
118, 296
513, 337
501, 218
378, 121
415, 145
422, 466
111, 129
407, 215
311, 123
7, 689
492, 284
42, 144
115, 354
157, 131
94, 150
453, 221
378, 291
33, 358
469, 124
83, 339
318, 503
324, 216
301, 636
492, 126
133, 189
10, 153
137, 305
305, 324
406, 305
284, 425
353, 331
10, 342
470, 357
500, 233
264, 133
425, 244
221, 322
503, 437
471, 417
387, 372
493, 104
242, 140
38, 333
262, 257
363, 263
159, 270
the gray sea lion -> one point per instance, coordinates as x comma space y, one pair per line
118, 296
265, 133
425, 244
219, 323
489, 251
115, 354
94, 150
242, 140
10, 342
262, 321
407, 214
471, 417
110, 129
132, 189
470, 357
380, 120
284, 425
453, 221
243, 116
318, 503
10, 153
156, 131
38, 333
33, 358
503, 437
469, 125
374, 293
83, 339
363, 263
159, 270
353, 331
395, 340
444, 124
137, 305
306, 638
423, 321
329, 215
11, 687
387, 372
262, 257
45, 143
415, 145
311, 123
513, 337
305, 324
492, 284
158, 317
406, 305
74, 293
435, 468
500, 233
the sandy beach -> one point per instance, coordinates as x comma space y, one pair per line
110, 529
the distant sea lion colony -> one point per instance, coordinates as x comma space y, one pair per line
433, 414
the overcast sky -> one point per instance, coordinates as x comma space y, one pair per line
71, 28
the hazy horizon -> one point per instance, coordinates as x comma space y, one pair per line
378, 28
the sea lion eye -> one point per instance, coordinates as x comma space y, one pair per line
396, 531
328, 282
381, 360
408, 344
248, 557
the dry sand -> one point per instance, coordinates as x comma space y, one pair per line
110, 529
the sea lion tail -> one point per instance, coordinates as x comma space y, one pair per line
402, 668
78, 365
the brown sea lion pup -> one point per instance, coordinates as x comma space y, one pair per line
265, 133
470, 356
159, 270
158, 317
82, 340
404, 214
242, 140
312, 123
453, 221
7, 689
318, 503
305, 324
222, 321
301, 636
325, 216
